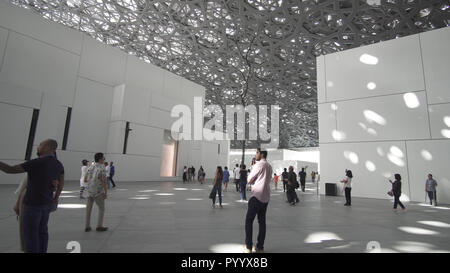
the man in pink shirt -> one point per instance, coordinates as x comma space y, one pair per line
259, 178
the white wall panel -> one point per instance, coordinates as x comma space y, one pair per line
372, 164
436, 62
184, 148
102, 63
144, 140
172, 85
189, 90
15, 122
117, 103
135, 168
424, 157
3, 38
161, 119
33, 25
144, 75
136, 104
19, 95
195, 159
394, 106
72, 162
383, 118
52, 120
327, 122
116, 136
305, 155
165, 103
398, 69
11, 178
91, 112
38, 66
321, 86
440, 120
208, 158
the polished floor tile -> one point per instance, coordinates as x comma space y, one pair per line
175, 217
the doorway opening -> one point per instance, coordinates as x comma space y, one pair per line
169, 155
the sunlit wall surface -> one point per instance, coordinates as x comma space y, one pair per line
385, 109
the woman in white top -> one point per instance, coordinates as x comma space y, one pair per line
348, 187
84, 169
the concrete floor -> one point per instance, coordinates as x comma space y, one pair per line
177, 217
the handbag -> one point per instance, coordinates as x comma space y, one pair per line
390, 193
213, 193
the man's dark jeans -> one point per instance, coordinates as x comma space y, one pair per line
348, 196
35, 231
112, 181
303, 183
255, 207
432, 196
243, 189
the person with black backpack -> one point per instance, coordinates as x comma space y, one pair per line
292, 184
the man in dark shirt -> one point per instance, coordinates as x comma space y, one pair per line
284, 175
44, 174
302, 176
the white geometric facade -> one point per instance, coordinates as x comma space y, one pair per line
385, 109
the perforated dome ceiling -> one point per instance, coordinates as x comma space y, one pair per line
208, 41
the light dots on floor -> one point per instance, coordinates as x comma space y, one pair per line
66, 192
139, 198
319, 237
148, 190
435, 224
71, 206
227, 248
418, 231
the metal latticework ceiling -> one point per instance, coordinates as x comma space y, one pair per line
271, 44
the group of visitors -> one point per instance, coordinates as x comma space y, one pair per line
396, 190
189, 174
301, 175
110, 171
39, 192
290, 183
